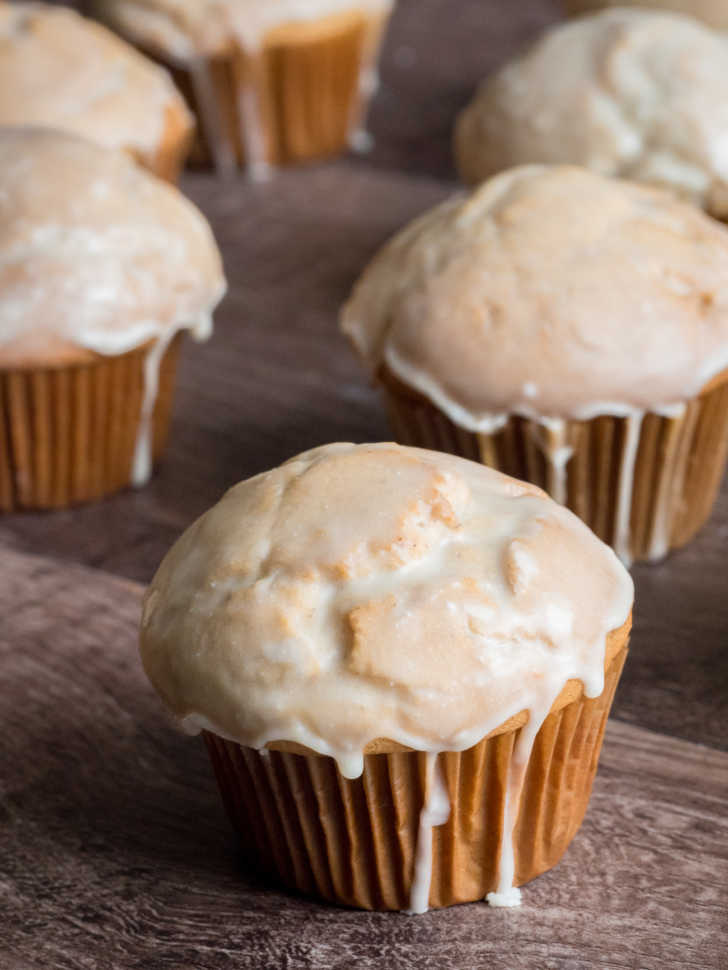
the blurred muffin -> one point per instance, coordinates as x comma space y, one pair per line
102, 266
274, 82
713, 12
403, 663
568, 329
633, 93
59, 70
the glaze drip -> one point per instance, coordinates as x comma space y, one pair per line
435, 811
332, 583
97, 256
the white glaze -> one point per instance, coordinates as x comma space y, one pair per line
553, 294
97, 257
223, 153
714, 12
622, 530
112, 95
311, 603
191, 32
548, 293
435, 811
671, 481
633, 93
550, 434
252, 132
186, 29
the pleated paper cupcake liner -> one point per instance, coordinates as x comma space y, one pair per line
644, 484
303, 97
354, 841
169, 158
68, 434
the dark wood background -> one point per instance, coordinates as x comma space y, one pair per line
114, 850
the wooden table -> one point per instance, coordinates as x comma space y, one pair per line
114, 850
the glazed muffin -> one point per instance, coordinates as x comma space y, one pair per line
634, 93
713, 12
102, 267
60, 70
568, 329
402, 663
274, 82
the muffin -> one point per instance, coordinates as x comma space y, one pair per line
713, 12
102, 267
402, 663
634, 93
59, 70
274, 82
568, 329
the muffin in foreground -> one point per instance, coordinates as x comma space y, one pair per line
639, 94
402, 662
713, 12
59, 70
102, 266
568, 329
274, 82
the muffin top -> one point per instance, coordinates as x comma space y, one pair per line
635, 93
364, 592
96, 255
548, 292
713, 12
182, 29
61, 70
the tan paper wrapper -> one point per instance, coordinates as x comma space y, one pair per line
354, 841
305, 84
667, 496
169, 158
67, 434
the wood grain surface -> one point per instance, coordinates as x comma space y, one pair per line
114, 851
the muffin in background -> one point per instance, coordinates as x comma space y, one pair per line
102, 267
59, 70
271, 83
568, 329
638, 94
402, 662
713, 12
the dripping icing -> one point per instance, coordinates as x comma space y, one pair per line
243, 36
141, 468
223, 155
550, 434
670, 485
435, 811
346, 694
625, 487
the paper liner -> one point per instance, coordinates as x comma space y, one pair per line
67, 434
643, 500
302, 97
354, 841
167, 161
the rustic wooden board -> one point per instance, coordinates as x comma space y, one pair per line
116, 853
